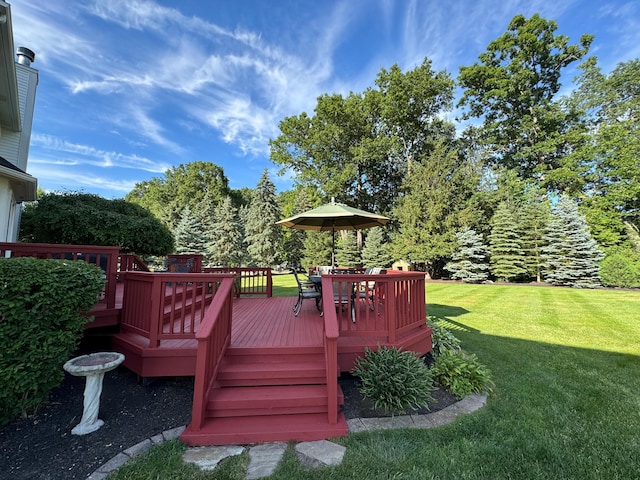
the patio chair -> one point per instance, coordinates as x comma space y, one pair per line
306, 289
366, 290
344, 294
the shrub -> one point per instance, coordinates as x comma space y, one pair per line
461, 374
442, 339
41, 320
620, 270
394, 380
87, 219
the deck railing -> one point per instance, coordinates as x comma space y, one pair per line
250, 281
130, 262
104, 257
331, 334
383, 306
213, 338
167, 306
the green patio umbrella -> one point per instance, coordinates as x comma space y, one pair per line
334, 216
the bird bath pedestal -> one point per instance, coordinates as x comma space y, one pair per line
93, 367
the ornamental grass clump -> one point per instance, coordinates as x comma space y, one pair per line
461, 374
394, 380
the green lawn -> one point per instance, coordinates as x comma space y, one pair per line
566, 364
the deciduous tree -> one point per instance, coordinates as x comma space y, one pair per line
185, 185
612, 106
513, 89
358, 147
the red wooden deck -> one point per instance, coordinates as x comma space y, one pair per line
261, 373
261, 323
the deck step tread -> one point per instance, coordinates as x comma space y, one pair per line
269, 397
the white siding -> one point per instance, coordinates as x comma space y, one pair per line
27, 82
7, 212
14, 146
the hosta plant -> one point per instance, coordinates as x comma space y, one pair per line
442, 339
461, 374
394, 380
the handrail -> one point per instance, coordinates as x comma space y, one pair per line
213, 338
103, 256
331, 333
130, 262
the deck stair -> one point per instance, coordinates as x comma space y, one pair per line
267, 394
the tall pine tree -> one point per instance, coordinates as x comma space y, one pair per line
505, 245
293, 238
571, 256
469, 261
535, 216
226, 247
263, 236
375, 252
189, 233
348, 253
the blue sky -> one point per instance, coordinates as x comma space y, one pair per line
130, 88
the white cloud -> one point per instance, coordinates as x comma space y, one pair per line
55, 151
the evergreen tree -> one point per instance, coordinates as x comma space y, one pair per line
204, 210
375, 252
226, 247
348, 253
317, 249
571, 256
436, 204
262, 235
535, 216
189, 233
469, 262
293, 245
505, 245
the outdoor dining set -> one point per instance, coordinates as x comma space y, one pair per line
345, 294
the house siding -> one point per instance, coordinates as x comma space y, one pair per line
14, 146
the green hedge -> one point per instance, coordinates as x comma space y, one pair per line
41, 321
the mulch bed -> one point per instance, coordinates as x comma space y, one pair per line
41, 447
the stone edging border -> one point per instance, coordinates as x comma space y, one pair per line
436, 419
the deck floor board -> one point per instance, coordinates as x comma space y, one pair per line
270, 322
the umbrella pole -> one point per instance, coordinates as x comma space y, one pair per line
333, 248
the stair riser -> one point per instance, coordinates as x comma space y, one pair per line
274, 359
258, 382
259, 412
276, 428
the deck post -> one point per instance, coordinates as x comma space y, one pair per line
155, 313
391, 310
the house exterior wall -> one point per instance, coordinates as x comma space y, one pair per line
15, 136
14, 146
7, 212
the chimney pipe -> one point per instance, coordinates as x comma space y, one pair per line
25, 56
